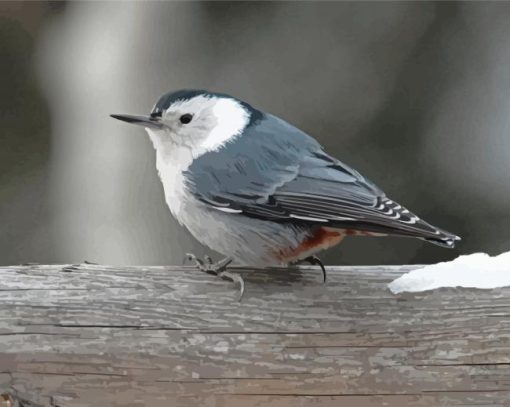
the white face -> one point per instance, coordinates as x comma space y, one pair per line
200, 124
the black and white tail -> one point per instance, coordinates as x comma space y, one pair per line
405, 223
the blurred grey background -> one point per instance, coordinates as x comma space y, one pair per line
416, 96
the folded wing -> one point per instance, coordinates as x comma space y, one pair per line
275, 172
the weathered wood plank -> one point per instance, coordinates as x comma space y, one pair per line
104, 335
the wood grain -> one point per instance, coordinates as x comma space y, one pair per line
172, 336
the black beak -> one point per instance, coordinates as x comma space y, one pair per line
144, 121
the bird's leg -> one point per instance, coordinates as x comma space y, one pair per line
314, 260
218, 269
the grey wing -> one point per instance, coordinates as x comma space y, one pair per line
278, 173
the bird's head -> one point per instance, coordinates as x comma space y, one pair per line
200, 120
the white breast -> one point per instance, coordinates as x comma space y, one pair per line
171, 161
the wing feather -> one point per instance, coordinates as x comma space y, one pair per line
278, 173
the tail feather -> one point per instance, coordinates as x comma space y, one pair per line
410, 224
402, 222
444, 239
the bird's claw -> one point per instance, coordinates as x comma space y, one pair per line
208, 260
235, 278
218, 269
198, 262
314, 260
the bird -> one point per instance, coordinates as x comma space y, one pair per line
258, 190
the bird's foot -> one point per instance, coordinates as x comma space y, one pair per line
218, 269
314, 260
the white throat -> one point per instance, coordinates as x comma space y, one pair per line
171, 160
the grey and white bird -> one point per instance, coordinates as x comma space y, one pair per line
253, 187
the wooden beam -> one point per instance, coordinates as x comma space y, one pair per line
172, 336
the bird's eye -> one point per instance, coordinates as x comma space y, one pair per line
186, 118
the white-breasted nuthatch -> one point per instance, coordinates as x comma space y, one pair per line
251, 186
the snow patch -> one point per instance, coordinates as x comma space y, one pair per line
477, 270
